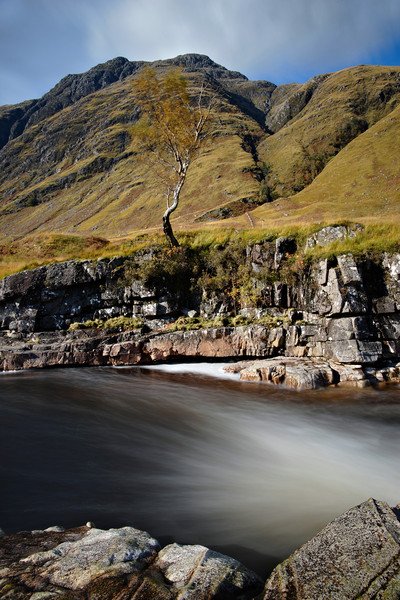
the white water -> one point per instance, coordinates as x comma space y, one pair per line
245, 468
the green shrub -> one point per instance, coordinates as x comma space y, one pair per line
175, 269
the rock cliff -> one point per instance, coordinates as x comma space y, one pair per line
342, 315
356, 556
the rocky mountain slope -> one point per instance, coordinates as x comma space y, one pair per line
69, 161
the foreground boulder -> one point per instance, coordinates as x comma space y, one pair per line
121, 563
356, 556
199, 573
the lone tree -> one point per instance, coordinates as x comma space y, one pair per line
173, 127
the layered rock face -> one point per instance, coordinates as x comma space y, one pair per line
358, 312
356, 556
92, 348
343, 314
50, 298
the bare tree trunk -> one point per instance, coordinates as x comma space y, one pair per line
166, 224
168, 232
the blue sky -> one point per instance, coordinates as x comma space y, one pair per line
41, 41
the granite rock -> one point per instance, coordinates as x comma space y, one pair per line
98, 554
332, 233
93, 564
356, 556
195, 572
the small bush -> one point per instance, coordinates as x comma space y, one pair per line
175, 269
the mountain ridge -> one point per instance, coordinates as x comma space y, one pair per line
73, 87
68, 161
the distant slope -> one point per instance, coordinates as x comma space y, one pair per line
67, 92
361, 183
253, 97
317, 119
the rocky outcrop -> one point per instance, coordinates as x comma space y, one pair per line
52, 297
93, 348
343, 315
222, 342
282, 112
80, 348
102, 348
332, 233
301, 375
117, 563
356, 556
347, 310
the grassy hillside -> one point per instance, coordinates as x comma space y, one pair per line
78, 171
319, 118
292, 156
361, 183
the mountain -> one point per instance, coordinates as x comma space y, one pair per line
361, 183
69, 160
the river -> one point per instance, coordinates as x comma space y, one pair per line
248, 469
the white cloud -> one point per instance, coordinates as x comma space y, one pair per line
280, 40
259, 37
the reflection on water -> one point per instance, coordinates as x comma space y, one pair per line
248, 469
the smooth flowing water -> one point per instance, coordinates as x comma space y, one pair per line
248, 469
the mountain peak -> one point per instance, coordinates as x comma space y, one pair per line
195, 63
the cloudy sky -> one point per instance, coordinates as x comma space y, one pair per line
41, 41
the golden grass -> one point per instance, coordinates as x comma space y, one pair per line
361, 183
35, 251
44, 249
342, 96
